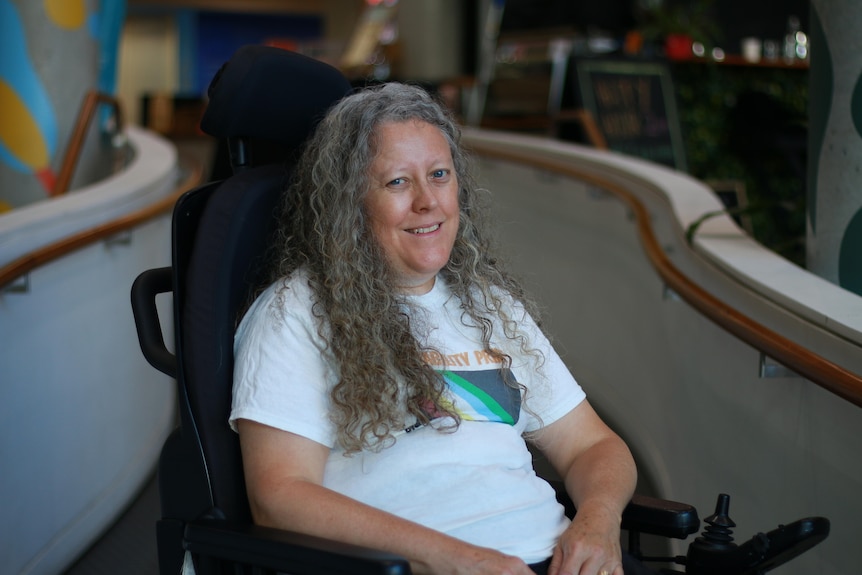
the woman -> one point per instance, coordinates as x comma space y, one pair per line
386, 380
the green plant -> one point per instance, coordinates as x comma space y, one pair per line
693, 18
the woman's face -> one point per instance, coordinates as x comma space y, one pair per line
412, 202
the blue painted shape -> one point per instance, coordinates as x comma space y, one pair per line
109, 26
111, 17
18, 72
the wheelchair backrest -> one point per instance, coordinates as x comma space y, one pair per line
265, 101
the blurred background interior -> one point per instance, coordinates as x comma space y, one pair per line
740, 122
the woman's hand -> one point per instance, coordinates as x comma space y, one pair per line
590, 546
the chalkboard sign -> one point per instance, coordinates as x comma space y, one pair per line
633, 104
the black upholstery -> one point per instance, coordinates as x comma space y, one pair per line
220, 236
268, 99
233, 233
270, 94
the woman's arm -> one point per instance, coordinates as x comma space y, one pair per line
600, 477
284, 475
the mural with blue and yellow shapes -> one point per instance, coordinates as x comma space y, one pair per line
31, 123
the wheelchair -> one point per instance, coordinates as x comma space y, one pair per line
263, 103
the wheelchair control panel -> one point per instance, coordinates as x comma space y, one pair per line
715, 553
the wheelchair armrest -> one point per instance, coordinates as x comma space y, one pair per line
144, 291
646, 514
660, 517
285, 551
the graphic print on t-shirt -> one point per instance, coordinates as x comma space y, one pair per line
483, 395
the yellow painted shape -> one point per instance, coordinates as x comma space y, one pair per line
19, 131
5, 207
68, 14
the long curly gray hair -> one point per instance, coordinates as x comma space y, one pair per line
326, 231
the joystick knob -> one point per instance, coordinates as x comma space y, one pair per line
719, 525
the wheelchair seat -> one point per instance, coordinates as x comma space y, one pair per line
264, 103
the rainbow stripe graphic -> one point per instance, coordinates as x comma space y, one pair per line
484, 397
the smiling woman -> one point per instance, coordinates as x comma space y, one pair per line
388, 379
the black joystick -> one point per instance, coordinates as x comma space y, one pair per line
719, 531
715, 553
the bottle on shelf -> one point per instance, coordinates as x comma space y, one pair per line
795, 42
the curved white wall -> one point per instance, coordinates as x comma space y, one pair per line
82, 415
685, 394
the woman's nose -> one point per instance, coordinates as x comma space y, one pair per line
425, 199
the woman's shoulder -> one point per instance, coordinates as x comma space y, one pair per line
287, 297
297, 286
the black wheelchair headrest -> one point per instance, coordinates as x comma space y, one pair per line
271, 94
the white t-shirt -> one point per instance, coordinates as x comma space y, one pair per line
476, 483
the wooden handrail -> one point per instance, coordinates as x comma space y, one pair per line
810, 365
28, 262
803, 361
79, 133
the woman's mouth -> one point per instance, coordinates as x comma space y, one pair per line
427, 230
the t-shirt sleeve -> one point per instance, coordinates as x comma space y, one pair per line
552, 390
561, 394
281, 374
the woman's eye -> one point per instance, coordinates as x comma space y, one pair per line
437, 174
396, 182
